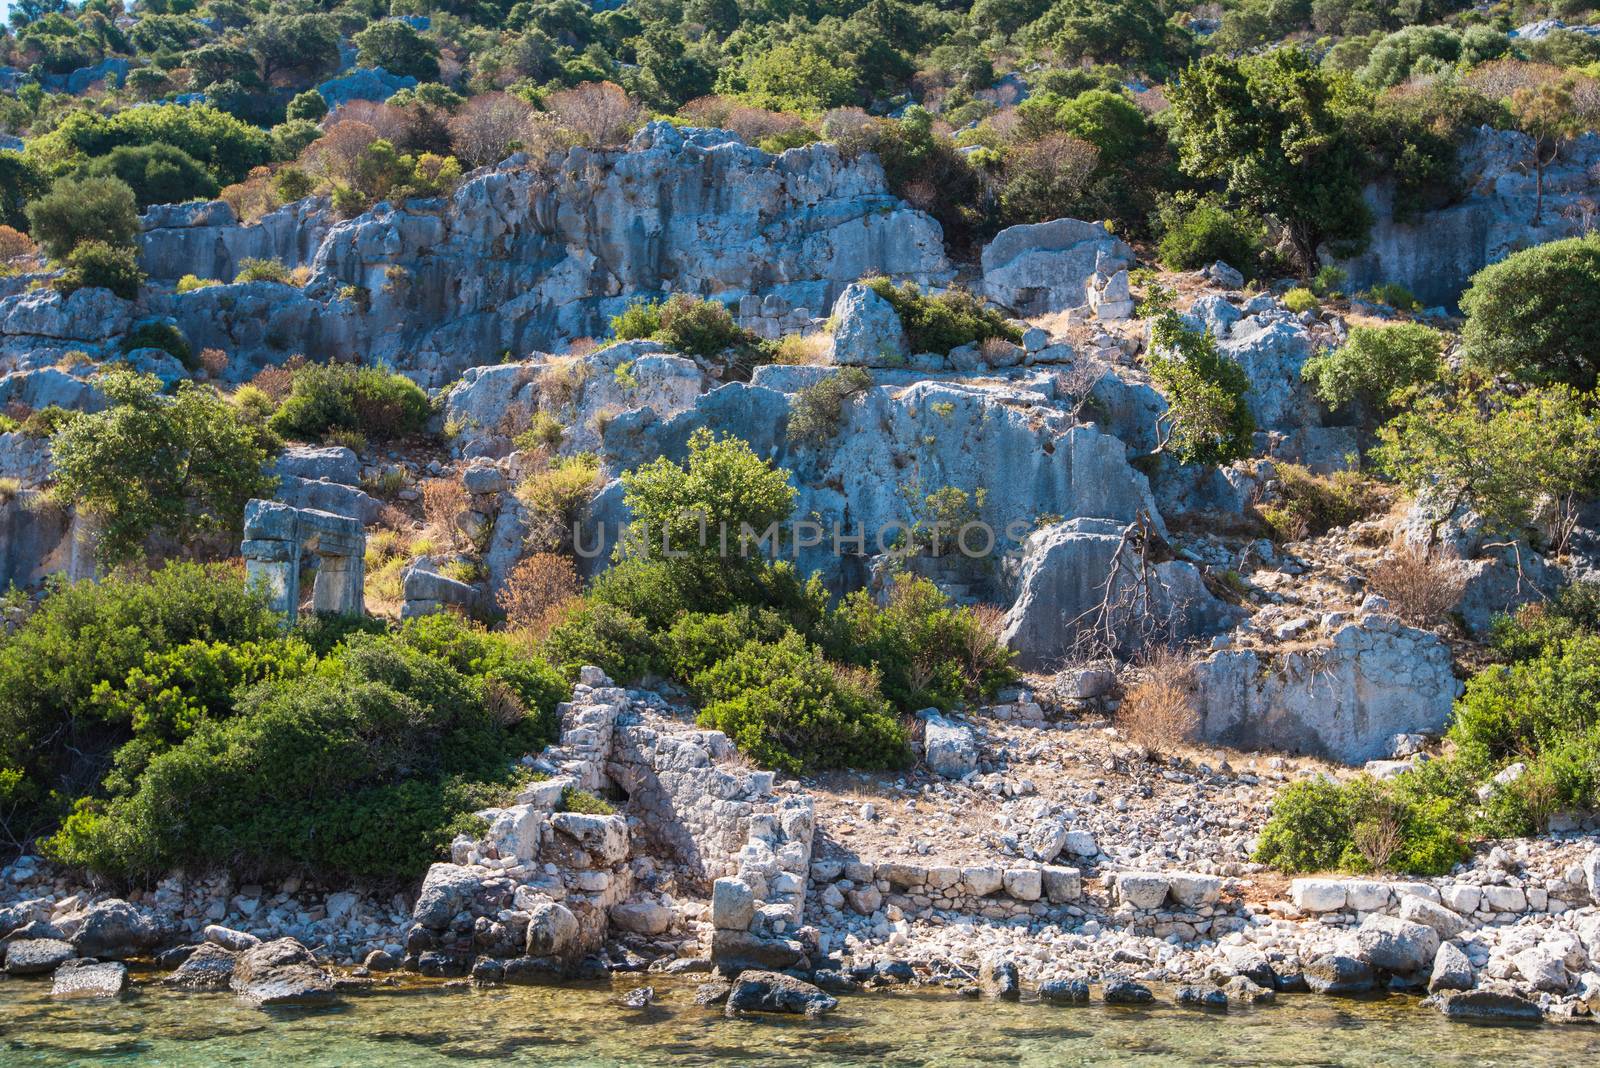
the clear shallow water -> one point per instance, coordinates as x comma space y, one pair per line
423, 1027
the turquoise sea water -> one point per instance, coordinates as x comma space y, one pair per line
422, 1027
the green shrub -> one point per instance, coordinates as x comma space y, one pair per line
180, 466
191, 282
576, 800
1394, 295
1199, 231
227, 147
325, 397
309, 105
1300, 299
259, 270
815, 411
698, 640
925, 650
1309, 505
598, 633
157, 173
1377, 364
46, 422
544, 432
1309, 828
164, 336
1539, 625
95, 264
367, 767
1329, 280
1415, 823
788, 708
948, 321
682, 323
80, 210
1207, 419
1536, 314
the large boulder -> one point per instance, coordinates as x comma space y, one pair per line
37, 956
89, 979
553, 931
1037, 268
764, 991
1343, 699
114, 929
1492, 1004
209, 967
451, 889
1083, 579
867, 330
950, 749
1335, 973
1395, 945
281, 972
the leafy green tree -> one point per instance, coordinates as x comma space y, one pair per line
20, 182
149, 464
1271, 128
796, 76
309, 106
398, 49
157, 174
1207, 420
76, 210
296, 48
1503, 457
1200, 230
1405, 50
1377, 364
228, 148
1547, 114
1536, 314
213, 63
1134, 32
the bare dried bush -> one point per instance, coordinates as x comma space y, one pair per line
1159, 710
14, 245
600, 114
537, 592
560, 381
253, 197
995, 351
390, 123
1420, 588
335, 154
503, 703
276, 382
751, 124
488, 128
1378, 838
444, 500
213, 362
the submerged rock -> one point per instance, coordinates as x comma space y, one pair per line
89, 979
762, 991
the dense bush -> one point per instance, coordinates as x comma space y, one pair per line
815, 411
227, 147
596, 632
682, 323
1207, 419
78, 210
786, 706
95, 264
943, 322
373, 402
164, 336
1199, 231
1308, 505
1376, 365
925, 650
1415, 824
1536, 314
158, 173
178, 466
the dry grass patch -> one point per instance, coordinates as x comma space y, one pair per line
1159, 710
1419, 587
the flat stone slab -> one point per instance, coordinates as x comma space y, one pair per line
90, 979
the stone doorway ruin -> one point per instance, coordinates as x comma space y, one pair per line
276, 539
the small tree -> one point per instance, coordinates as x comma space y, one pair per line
1503, 457
1045, 179
177, 466
488, 127
1207, 420
100, 209
157, 173
95, 264
1545, 113
1536, 314
1375, 364
398, 49
599, 113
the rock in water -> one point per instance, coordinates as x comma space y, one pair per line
37, 956
1199, 997
1127, 992
1337, 974
281, 972
1486, 1004
208, 967
997, 975
1064, 991
89, 979
639, 997
1451, 970
775, 992
712, 993
114, 929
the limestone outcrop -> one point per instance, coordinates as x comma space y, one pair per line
1038, 268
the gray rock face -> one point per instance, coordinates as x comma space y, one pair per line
449, 889
867, 330
1081, 579
205, 238
553, 931
763, 991
40, 325
114, 929
36, 956
1435, 255
1045, 267
335, 463
733, 905
1502, 1005
89, 979
47, 386
281, 972
523, 256
1343, 700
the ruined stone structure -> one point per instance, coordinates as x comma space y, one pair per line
276, 539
